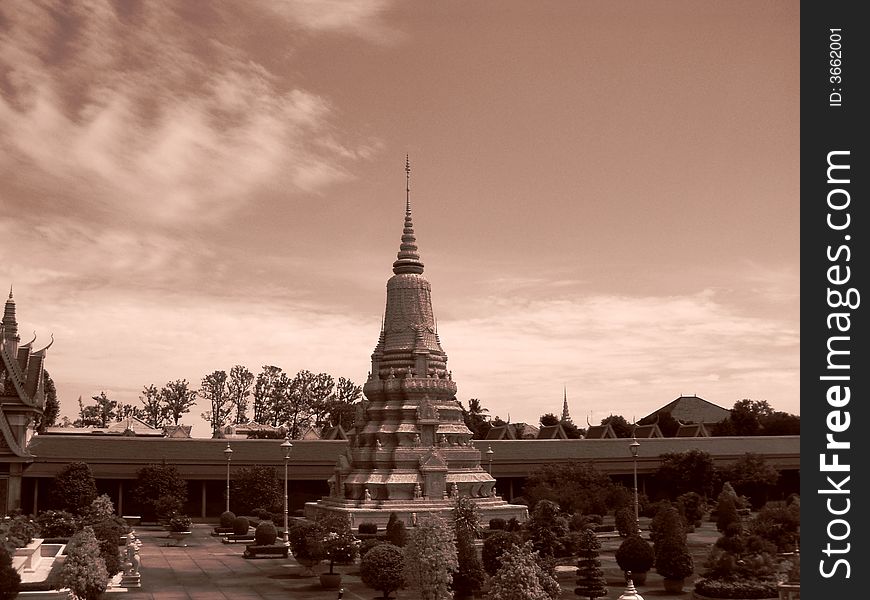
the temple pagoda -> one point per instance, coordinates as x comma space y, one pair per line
410, 451
22, 400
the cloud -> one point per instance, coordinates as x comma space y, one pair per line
360, 17
147, 114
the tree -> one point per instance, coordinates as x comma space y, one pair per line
160, 490
256, 487
689, 471
668, 425
751, 476
51, 408
621, 427
545, 528
573, 486
781, 423
383, 568
178, 398
74, 488
128, 411
521, 577
746, 416
469, 577
494, 546
475, 419
430, 559
548, 420
155, 411
84, 571
214, 389
590, 578
305, 399
239, 389
340, 407
99, 414
265, 395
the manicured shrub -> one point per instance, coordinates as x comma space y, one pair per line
691, 506
227, 518
179, 522
497, 523
265, 534
779, 525
396, 532
635, 554
368, 528
74, 488
241, 525
339, 544
383, 569
17, 532
306, 542
10, 580
495, 546
716, 588
262, 514
726, 512
368, 544
513, 525
108, 535
56, 524
84, 571
590, 577
625, 522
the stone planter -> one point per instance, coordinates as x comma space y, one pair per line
179, 537
673, 586
330, 581
639, 577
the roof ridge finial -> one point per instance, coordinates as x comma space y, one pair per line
10, 291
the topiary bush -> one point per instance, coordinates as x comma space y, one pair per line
160, 490
108, 535
368, 544
265, 534
743, 589
383, 569
10, 580
726, 512
691, 505
626, 525
496, 545
396, 532
84, 571
513, 525
17, 532
241, 525
227, 518
368, 528
306, 542
56, 524
635, 554
590, 578
523, 577
497, 524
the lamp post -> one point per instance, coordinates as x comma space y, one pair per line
228, 452
633, 447
287, 447
489, 454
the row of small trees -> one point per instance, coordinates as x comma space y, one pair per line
273, 397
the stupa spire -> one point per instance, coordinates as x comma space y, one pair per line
10, 323
408, 259
565, 415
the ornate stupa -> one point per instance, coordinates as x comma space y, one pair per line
410, 451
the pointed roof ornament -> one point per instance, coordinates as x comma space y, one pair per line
408, 259
565, 415
10, 292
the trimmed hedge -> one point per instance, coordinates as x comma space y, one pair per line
743, 588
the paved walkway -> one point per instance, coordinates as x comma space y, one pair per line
207, 569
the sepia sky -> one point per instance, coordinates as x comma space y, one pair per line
605, 194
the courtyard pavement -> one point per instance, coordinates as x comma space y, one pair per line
207, 569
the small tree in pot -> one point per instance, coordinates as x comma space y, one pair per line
635, 554
383, 569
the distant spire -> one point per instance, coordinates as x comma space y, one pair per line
565, 416
408, 259
10, 323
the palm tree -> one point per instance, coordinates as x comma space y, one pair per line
475, 419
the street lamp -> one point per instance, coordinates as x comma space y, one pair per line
489, 454
228, 452
634, 446
287, 447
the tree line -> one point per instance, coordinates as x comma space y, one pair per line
272, 397
747, 418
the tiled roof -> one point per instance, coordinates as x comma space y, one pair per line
693, 409
599, 432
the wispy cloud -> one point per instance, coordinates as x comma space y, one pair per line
146, 114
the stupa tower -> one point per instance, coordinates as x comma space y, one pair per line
410, 450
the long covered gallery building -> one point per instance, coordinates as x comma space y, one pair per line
115, 460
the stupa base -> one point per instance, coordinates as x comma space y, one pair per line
408, 511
